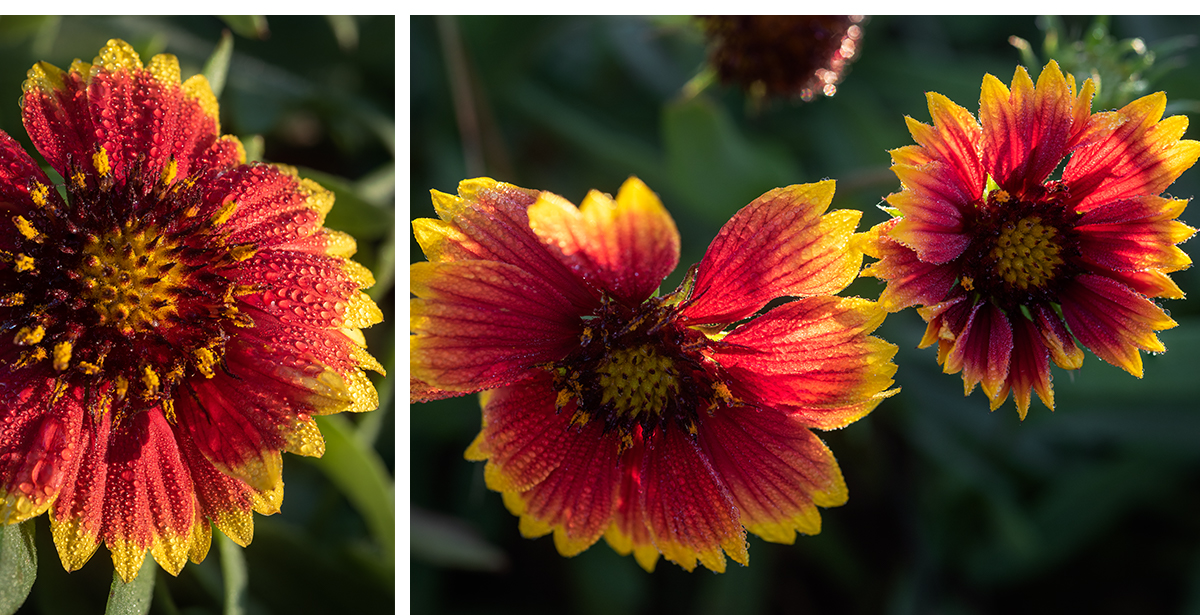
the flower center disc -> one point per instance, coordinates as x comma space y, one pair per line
129, 278
637, 380
1026, 253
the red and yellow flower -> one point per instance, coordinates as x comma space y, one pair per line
1011, 266
173, 323
665, 424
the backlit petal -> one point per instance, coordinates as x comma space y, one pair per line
482, 324
813, 358
625, 247
776, 470
778, 245
1113, 321
690, 513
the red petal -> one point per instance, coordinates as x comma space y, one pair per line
1026, 132
578, 498
237, 433
1113, 321
982, 351
813, 357
1138, 156
778, 245
628, 532
79, 510
625, 247
142, 117
481, 324
931, 222
1029, 369
524, 439
1135, 234
954, 140
689, 512
777, 471
39, 441
910, 280
148, 495
18, 172
489, 220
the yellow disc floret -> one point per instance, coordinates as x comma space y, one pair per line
637, 380
128, 278
1026, 253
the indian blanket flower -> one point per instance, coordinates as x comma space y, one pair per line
665, 424
170, 326
1015, 268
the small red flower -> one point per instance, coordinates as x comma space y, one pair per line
666, 423
171, 325
1013, 267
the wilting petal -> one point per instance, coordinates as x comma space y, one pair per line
1113, 321
489, 220
481, 324
778, 245
625, 247
776, 470
689, 512
813, 358
1026, 131
1139, 156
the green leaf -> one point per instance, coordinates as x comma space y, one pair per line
713, 165
18, 565
233, 571
360, 474
448, 542
254, 145
249, 26
216, 68
134, 597
352, 213
345, 30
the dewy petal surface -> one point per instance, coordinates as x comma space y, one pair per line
1010, 266
174, 322
632, 417
778, 245
626, 246
777, 471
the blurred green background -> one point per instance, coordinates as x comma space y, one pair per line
317, 93
1092, 508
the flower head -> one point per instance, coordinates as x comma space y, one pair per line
172, 324
666, 424
1012, 266
783, 55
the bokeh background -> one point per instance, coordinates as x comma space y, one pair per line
1092, 508
317, 93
